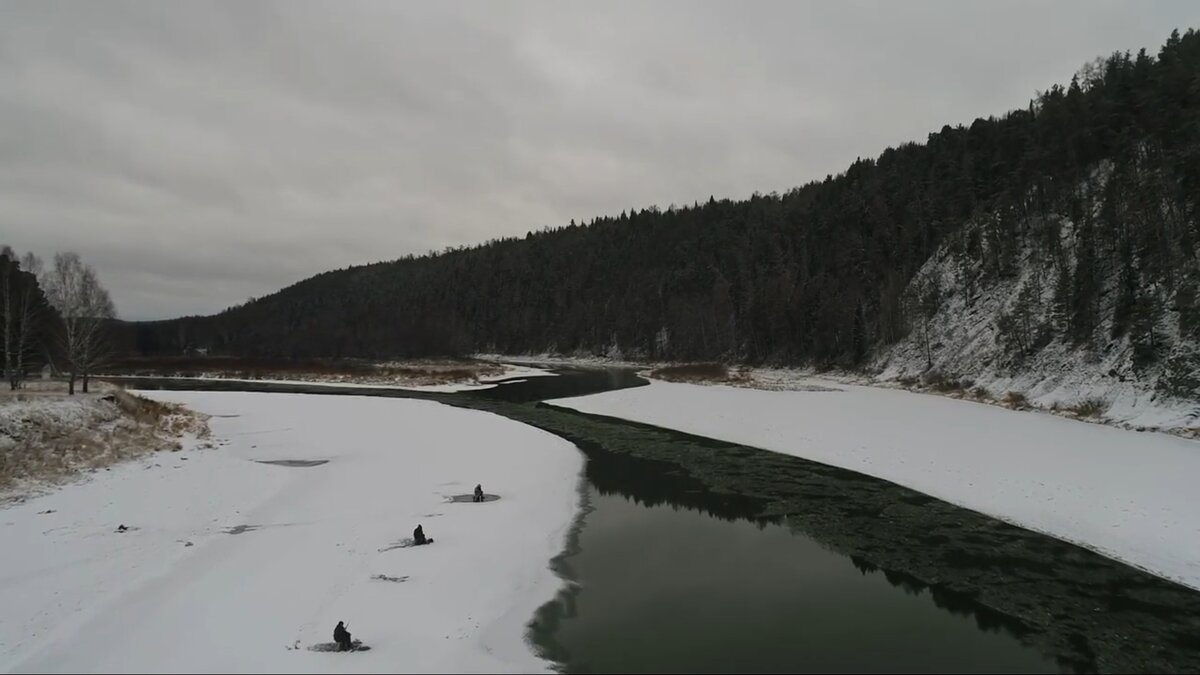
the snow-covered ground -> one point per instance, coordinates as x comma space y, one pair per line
19, 415
1128, 495
510, 371
47, 436
1127, 404
570, 360
231, 564
446, 387
517, 370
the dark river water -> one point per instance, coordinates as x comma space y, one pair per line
668, 589
694, 555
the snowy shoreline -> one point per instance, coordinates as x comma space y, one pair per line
224, 550
1128, 405
1126, 495
349, 381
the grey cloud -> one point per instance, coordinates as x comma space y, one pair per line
201, 153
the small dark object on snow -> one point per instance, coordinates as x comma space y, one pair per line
406, 542
479, 493
395, 580
419, 537
122, 528
342, 637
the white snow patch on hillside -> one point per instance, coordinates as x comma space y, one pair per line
1127, 495
180, 592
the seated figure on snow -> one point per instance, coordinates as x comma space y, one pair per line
342, 637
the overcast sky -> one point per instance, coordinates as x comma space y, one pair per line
201, 153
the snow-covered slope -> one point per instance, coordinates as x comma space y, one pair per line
964, 341
46, 437
234, 565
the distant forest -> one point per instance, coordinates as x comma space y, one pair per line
820, 274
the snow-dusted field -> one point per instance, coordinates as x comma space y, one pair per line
187, 588
1130, 496
489, 382
516, 370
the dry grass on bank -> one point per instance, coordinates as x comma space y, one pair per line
706, 373
47, 436
412, 373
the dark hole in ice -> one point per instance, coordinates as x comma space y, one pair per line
333, 647
295, 463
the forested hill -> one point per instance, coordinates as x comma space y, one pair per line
1099, 179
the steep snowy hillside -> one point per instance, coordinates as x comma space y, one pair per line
996, 315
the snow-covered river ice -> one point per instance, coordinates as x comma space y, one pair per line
690, 554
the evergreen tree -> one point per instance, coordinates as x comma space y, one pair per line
1146, 333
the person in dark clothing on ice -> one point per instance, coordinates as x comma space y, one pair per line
419, 537
342, 637
479, 493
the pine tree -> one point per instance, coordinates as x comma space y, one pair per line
1126, 293
1146, 332
1085, 288
1062, 301
1187, 303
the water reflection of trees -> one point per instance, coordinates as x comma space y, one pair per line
655, 483
959, 604
1088, 612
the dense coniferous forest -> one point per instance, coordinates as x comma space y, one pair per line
26, 320
827, 272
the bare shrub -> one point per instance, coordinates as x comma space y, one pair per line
1016, 399
1089, 407
46, 438
938, 381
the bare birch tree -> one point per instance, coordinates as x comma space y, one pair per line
84, 307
